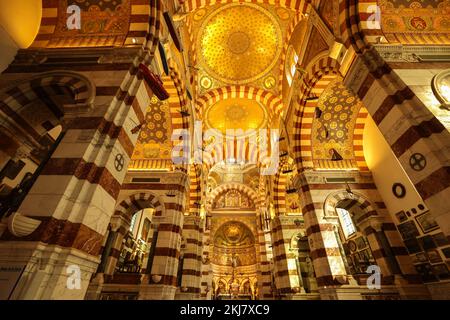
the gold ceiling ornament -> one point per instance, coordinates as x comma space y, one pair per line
236, 113
269, 82
239, 43
283, 13
199, 14
206, 82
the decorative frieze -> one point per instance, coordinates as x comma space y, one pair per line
415, 54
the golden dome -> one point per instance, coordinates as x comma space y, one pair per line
236, 113
240, 43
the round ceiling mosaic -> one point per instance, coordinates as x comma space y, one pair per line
239, 43
235, 114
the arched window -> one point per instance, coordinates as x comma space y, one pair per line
291, 65
133, 221
347, 222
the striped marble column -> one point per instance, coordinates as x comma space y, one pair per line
206, 272
265, 276
191, 273
164, 270
113, 257
325, 254
286, 275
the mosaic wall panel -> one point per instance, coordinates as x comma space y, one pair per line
103, 23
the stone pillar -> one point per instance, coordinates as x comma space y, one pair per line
265, 253
96, 285
191, 273
371, 228
325, 254
119, 228
206, 272
286, 275
164, 270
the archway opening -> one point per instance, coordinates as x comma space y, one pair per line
234, 262
357, 253
136, 243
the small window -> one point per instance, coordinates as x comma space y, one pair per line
346, 221
291, 65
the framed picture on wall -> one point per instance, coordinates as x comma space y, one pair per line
420, 258
352, 245
346, 248
360, 243
401, 216
367, 255
408, 230
426, 272
441, 271
440, 239
446, 252
412, 245
434, 256
426, 222
350, 261
427, 242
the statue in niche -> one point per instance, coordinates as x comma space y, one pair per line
245, 203
309, 267
221, 202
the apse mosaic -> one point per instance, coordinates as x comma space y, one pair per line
103, 22
234, 233
241, 256
234, 240
410, 17
334, 129
154, 140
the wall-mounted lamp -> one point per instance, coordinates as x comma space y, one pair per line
441, 88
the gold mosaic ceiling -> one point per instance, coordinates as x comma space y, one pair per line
334, 129
154, 138
239, 43
236, 113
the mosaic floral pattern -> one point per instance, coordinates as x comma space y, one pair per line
411, 17
103, 22
154, 141
240, 43
334, 129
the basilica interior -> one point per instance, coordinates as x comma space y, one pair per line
224, 150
